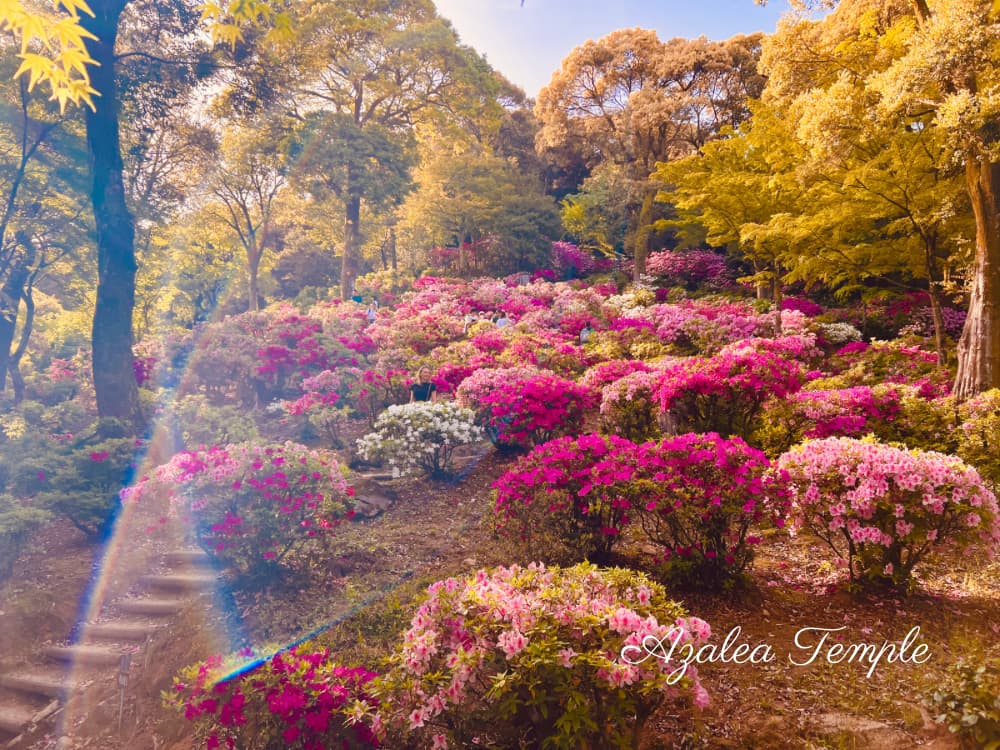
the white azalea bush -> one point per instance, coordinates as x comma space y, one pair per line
422, 435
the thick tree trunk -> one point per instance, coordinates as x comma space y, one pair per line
979, 346
14, 289
10, 301
352, 246
643, 230
114, 381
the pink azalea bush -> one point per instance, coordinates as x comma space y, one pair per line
704, 326
701, 496
298, 699
575, 488
253, 506
522, 406
629, 407
604, 373
883, 509
569, 260
726, 393
820, 413
689, 268
532, 657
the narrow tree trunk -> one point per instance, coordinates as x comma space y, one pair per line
16, 379
253, 273
979, 346
392, 249
114, 380
352, 246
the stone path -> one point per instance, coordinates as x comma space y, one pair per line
35, 695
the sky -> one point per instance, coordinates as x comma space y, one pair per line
527, 43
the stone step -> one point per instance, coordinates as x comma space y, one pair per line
179, 582
84, 654
120, 630
14, 718
161, 607
45, 683
191, 557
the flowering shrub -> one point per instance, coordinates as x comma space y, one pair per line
838, 334
296, 699
323, 403
421, 435
252, 506
979, 436
725, 393
629, 407
573, 487
520, 406
847, 412
700, 496
604, 373
882, 509
892, 362
689, 268
571, 261
801, 304
705, 325
530, 657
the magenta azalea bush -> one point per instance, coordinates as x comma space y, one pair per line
521, 406
700, 498
575, 488
883, 509
532, 657
726, 393
298, 699
689, 268
251, 505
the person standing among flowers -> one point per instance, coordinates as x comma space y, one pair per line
423, 389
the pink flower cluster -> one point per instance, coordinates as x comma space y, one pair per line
696, 496
457, 678
301, 696
252, 505
726, 392
703, 496
847, 412
525, 406
689, 268
884, 508
570, 260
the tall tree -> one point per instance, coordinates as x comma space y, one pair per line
380, 67
633, 100
920, 64
246, 184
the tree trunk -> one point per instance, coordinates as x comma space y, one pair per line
16, 379
10, 301
979, 346
392, 249
114, 380
643, 230
352, 245
253, 272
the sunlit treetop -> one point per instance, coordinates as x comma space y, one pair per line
53, 42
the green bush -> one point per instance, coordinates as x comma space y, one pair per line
969, 702
17, 521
